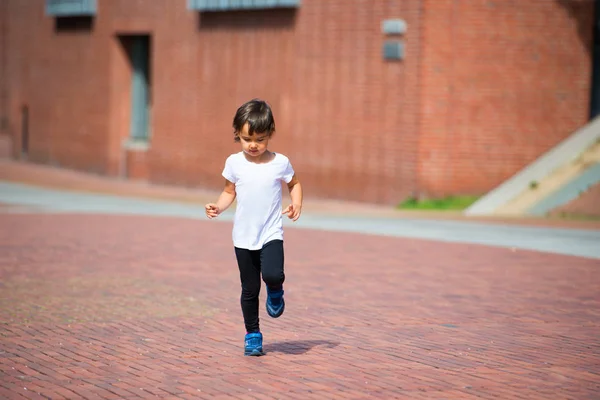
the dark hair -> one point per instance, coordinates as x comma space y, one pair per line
257, 113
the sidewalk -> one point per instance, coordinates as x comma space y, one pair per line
24, 198
64, 179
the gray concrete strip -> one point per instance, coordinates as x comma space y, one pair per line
70, 201
574, 242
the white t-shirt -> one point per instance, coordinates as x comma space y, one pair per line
258, 217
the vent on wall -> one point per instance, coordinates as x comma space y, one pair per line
232, 5
393, 50
393, 47
71, 8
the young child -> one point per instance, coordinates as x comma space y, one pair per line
254, 176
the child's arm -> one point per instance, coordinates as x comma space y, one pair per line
294, 210
225, 200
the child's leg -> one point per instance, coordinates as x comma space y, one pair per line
271, 260
249, 265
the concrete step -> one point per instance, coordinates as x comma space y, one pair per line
561, 186
552, 171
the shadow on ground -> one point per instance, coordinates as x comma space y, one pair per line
298, 346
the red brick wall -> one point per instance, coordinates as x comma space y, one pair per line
503, 82
14, 56
346, 118
61, 78
4, 138
486, 86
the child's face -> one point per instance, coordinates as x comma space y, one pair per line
254, 145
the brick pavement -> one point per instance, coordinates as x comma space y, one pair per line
137, 307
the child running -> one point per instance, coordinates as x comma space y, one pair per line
254, 176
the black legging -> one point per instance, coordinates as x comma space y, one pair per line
269, 261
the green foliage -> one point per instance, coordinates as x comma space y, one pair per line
533, 185
446, 203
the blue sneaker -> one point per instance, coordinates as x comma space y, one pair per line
275, 303
253, 344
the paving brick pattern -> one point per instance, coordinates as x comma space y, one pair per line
116, 307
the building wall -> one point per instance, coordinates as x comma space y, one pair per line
3, 68
503, 82
485, 87
347, 118
59, 74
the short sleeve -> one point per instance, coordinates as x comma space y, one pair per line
288, 174
228, 171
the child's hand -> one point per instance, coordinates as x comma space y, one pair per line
293, 211
212, 211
